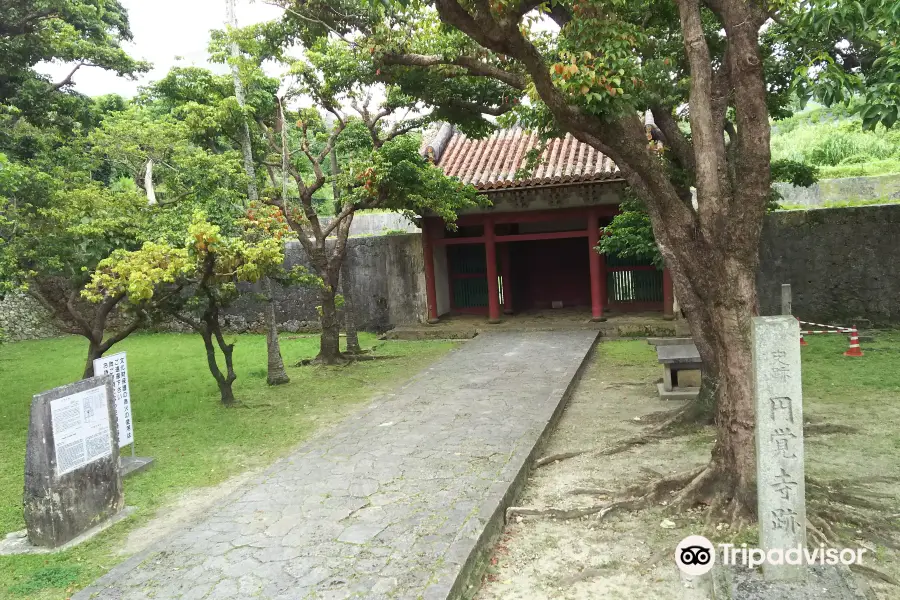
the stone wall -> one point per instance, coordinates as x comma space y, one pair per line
388, 288
378, 223
843, 264
829, 191
22, 318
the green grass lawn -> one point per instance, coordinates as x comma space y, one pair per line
178, 420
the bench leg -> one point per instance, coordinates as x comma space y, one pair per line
667, 378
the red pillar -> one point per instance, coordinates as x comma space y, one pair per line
430, 289
490, 249
598, 267
668, 295
506, 272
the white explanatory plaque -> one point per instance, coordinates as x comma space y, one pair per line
81, 431
116, 366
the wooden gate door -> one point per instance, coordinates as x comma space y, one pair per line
467, 266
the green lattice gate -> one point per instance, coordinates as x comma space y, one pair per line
633, 284
468, 277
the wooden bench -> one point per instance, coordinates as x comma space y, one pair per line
675, 358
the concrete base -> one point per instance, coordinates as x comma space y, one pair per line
494, 321
131, 465
433, 321
669, 341
598, 319
17, 541
824, 582
677, 393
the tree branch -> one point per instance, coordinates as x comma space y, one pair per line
76, 316
675, 140
752, 153
708, 141
559, 13
472, 66
68, 79
121, 335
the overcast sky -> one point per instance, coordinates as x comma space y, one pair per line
163, 31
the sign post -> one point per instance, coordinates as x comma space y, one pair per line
116, 366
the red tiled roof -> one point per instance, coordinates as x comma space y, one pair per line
492, 163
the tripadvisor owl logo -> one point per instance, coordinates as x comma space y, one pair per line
695, 555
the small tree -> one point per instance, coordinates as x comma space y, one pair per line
194, 282
382, 167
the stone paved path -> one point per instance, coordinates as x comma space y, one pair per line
389, 504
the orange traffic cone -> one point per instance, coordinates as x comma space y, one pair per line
854, 349
802, 341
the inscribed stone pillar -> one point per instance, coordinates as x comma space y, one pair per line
779, 441
72, 480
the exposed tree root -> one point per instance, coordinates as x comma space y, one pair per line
546, 460
617, 448
874, 574
638, 497
836, 514
692, 414
366, 357
574, 513
590, 492
680, 421
812, 429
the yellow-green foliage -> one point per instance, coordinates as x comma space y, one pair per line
137, 274
207, 255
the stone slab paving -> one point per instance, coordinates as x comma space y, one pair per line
394, 502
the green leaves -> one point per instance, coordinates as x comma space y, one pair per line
76, 31
397, 177
843, 52
630, 235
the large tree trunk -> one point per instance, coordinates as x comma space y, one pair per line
330, 339
276, 374
720, 324
353, 346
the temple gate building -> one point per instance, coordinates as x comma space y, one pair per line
533, 247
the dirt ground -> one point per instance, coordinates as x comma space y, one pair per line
627, 555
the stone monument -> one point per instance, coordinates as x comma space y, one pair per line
72, 480
779, 441
781, 492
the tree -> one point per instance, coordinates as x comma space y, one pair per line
57, 218
194, 281
381, 164
54, 233
276, 375
593, 73
84, 33
79, 197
